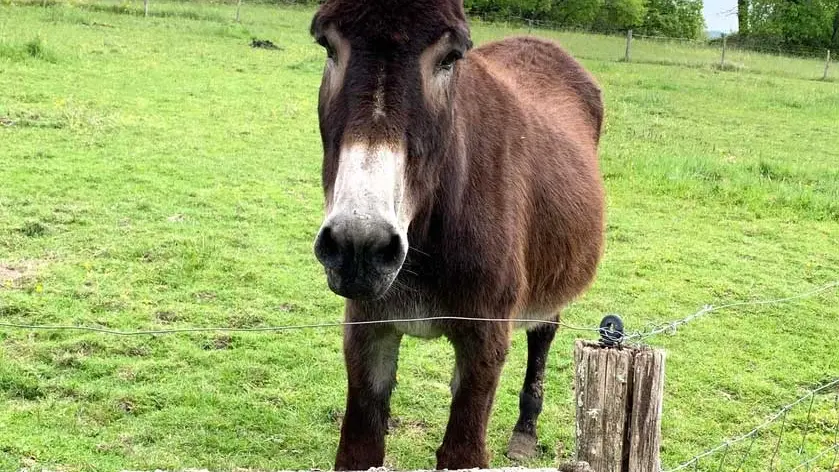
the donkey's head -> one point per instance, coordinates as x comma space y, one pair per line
385, 108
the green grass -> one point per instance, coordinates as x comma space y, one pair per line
33, 48
158, 172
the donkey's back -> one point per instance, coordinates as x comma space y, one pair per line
553, 113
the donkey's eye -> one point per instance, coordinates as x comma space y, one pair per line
448, 62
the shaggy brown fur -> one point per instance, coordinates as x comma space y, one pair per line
509, 209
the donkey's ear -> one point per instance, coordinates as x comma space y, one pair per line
318, 26
459, 10
314, 26
462, 35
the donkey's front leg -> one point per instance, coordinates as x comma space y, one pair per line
479, 354
370, 354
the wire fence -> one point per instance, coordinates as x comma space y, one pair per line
803, 435
636, 337
672, 326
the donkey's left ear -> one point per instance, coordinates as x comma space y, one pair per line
462, 36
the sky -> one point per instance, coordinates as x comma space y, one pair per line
715, 15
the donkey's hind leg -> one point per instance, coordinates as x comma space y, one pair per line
523, 442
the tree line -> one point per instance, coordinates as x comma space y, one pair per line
789, 24
783, 25
673, 18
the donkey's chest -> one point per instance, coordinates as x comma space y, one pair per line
415, 317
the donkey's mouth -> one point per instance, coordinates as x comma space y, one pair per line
357, 285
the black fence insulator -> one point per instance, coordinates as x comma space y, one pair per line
611, 331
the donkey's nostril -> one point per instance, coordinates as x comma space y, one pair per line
390, 255
360, 250
327, 249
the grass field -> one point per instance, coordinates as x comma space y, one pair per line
160, 173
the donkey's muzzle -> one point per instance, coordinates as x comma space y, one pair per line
361, 256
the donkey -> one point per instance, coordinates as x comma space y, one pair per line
458, 182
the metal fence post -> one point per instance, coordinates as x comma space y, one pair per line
238, 7
826, 65
626, 56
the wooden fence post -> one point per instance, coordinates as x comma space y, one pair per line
722, 58
145, 7
626, 56
618, 407
826, 65
645, 415
238, 7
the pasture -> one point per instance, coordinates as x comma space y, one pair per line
161, 173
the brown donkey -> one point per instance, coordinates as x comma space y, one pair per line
458, 182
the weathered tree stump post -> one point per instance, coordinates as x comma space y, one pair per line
618, 394
645, 414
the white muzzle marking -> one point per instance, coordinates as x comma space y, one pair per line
370, 185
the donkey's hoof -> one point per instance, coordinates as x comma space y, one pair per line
522, 447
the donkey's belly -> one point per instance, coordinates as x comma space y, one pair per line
401, 314
420, 329
534, 318
405, 310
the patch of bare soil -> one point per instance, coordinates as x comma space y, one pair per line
13, 275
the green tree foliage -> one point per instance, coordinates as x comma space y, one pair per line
674, 18
834, 37
743, 16
681, 18
566, 12
793, 23
621, 14
577, 13
506, 8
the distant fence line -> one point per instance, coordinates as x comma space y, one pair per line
730, 56
625, 46
721, 44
